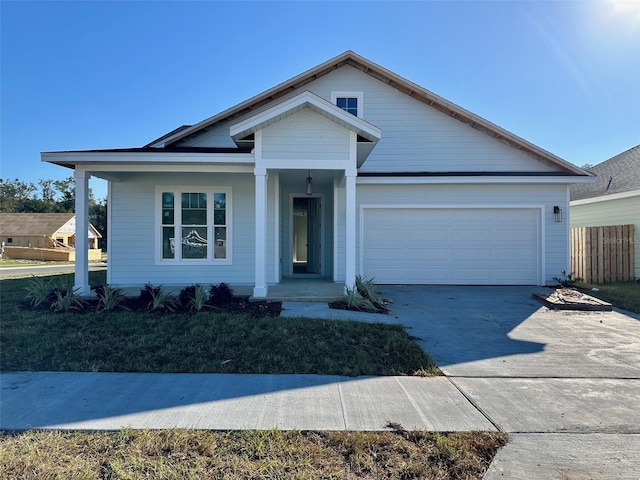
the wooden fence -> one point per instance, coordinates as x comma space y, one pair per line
603, 254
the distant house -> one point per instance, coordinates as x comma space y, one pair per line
614, 199
346, 169
22, 232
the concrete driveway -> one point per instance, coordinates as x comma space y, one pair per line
566, 385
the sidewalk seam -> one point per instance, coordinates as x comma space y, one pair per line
342, 407
475, 405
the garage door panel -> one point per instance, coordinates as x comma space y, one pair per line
382, 254
412, 255
451, 246
428, 275
473, 254
464, 234
426, 235
520, 255
414, 216
515, 234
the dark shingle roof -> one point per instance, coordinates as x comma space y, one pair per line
617, 175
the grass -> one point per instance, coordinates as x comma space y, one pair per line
624, 295
188, 454
206, 342
8, 263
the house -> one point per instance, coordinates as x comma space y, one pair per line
44, 236
614, 199
346, 169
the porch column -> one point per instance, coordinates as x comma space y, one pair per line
350, 229
81, 283
260, 288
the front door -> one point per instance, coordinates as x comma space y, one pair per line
307, 227
313, 236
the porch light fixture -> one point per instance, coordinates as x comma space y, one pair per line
309, 186
557, 212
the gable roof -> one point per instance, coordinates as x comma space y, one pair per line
35, 224
388, 77
297, 103
619, 174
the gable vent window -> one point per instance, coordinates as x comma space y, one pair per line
349, 102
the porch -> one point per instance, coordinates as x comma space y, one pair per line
317, 289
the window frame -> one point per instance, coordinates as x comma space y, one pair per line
359, 96
177, 224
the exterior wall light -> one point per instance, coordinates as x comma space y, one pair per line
309, 186
557, 212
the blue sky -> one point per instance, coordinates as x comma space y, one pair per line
82, 75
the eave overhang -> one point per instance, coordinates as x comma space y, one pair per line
394, 178
605, 198
141, 157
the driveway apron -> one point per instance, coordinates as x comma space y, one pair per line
564, 384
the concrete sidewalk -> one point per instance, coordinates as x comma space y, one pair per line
110, 401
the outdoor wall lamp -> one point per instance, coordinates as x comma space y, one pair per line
309, 186
557, 212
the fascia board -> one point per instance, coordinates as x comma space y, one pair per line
604, 198
391, 180
80, 158
302, 77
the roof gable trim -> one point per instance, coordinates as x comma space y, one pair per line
396, 81
297, 103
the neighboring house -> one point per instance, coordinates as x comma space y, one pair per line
614, 199
346, 169
42, 231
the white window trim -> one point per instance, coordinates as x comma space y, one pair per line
358, 95
177, 190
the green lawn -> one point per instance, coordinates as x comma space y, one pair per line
9, 263
125, 341
622, 294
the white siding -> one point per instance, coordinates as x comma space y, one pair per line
305, 135
622, 211
415, 137
132, 249
555, 244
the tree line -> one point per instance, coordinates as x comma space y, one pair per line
50, 196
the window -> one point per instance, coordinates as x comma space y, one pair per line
10, 240
349, 101
193, 224
349, 104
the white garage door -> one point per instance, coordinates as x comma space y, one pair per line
454, 246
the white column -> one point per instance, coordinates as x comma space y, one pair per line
260, 288
350, 229
81, 283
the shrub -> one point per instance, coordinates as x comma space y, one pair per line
193, 298
40, 291
567, 280
356, 301
66, 299
154, 298
110, 298
221, 295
